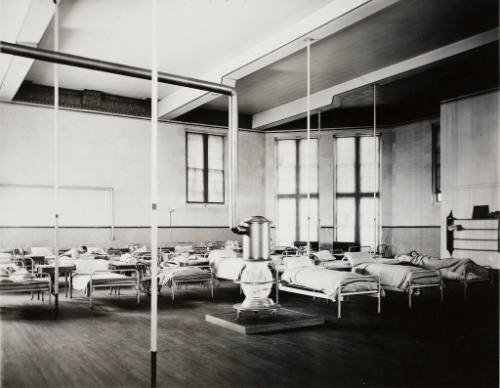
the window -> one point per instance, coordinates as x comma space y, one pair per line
436, 162
355, 184
205, 168
292, 172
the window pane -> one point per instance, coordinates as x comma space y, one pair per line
215, 168
195, 184
216, 152
313, 230
286, 221
366, 216
215, 186
345, 164
303, 166
195, 150
345, 219
195, 167
367, 173
366, 149
286, 155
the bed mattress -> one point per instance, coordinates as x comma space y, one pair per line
399, 277
328, 281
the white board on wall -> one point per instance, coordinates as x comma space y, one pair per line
34, 206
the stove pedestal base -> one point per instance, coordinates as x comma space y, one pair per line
262, 322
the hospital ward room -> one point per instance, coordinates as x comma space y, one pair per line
249, 193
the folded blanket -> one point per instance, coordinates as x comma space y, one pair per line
168, 275
327, 281
398, 276
450, 268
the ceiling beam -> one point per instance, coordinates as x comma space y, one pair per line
25, 25
324, 98
335, 16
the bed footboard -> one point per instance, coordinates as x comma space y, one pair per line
111, 283
415, 286
377, 292
176, 283
467, 281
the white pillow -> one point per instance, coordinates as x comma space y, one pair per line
293, 262
324, 255
96, 251
42, 251
356, 258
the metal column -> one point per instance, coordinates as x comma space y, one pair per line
56, 160
154, 189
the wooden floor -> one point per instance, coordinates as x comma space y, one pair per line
432, 346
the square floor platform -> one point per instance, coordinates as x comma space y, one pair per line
263, 322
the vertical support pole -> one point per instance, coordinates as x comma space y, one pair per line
154, 189
308, 174
375, 180
319, 197
233, 161
56, 160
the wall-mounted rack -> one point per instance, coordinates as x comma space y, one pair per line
482, 233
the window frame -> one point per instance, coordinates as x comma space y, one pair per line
205, 168
297, 195
357, 194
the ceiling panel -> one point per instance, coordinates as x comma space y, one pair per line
404, 30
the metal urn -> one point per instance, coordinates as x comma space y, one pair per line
256, 278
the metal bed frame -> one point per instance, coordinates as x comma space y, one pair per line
415, 287
339, 296
113, 284
177, 284
466, 281
30, 288
411, 287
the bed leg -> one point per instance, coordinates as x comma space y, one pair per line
43, 296
90, 299
465, 289
50, 298
410, 292
173, 292
442, 292
378, 302
339, 305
